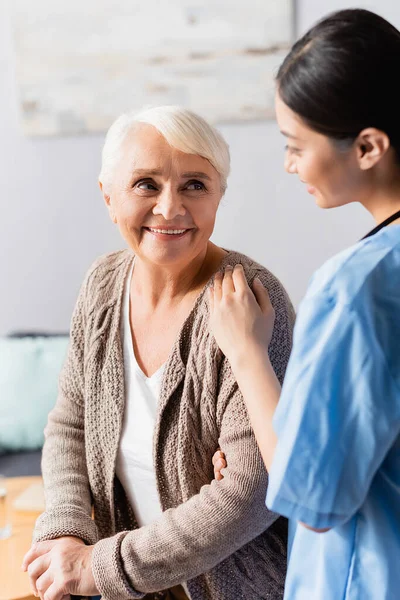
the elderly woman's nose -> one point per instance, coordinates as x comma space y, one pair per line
169, 205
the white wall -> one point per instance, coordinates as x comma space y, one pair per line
53, 223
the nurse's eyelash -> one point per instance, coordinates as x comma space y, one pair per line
292, 150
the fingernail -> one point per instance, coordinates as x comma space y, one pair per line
228, 268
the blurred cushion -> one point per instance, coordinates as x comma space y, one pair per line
29, 370
21, 464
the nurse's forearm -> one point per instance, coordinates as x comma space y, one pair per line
261, 390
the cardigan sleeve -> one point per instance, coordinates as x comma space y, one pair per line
67, 493
194, 537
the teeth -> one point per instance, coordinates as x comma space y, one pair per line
168, 231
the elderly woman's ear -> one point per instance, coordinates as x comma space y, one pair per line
107, 200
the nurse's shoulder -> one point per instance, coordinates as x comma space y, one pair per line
370, 266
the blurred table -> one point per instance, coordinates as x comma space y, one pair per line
14, 583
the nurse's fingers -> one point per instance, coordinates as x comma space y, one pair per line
227, 283
217, 455
210, 293
219, 463
262, 297
217, 285
217, 472
239, 279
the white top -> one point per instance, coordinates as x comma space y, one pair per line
134, 465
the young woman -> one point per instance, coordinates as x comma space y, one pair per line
333, 446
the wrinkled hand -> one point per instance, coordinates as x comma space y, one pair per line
241, 319
219, 462
60, 567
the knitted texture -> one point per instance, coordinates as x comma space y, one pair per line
217, 536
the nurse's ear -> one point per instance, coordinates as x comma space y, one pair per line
371, 146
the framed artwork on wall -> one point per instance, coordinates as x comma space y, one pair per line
81, 64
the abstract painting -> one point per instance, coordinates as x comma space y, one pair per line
79, 64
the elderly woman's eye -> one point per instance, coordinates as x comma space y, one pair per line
146, 185
195, 185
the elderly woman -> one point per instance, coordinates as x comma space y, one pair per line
146, 396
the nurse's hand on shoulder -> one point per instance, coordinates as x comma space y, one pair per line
241, 318
58, 568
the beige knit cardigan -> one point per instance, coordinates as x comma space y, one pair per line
217, 536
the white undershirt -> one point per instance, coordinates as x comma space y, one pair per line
134, 465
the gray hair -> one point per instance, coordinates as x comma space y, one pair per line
184, 130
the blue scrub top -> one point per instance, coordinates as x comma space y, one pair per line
337, 462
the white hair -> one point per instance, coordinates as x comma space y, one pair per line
181, 128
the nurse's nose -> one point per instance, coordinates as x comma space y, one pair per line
290, 164
169, 205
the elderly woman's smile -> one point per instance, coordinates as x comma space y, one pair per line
168, 234
163, 200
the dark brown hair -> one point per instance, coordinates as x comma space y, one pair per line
342, 76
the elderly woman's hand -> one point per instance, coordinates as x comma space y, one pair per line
60, 567
241, 319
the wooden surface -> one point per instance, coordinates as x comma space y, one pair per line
14, 583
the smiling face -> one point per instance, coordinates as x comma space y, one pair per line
332, 175
164, 201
